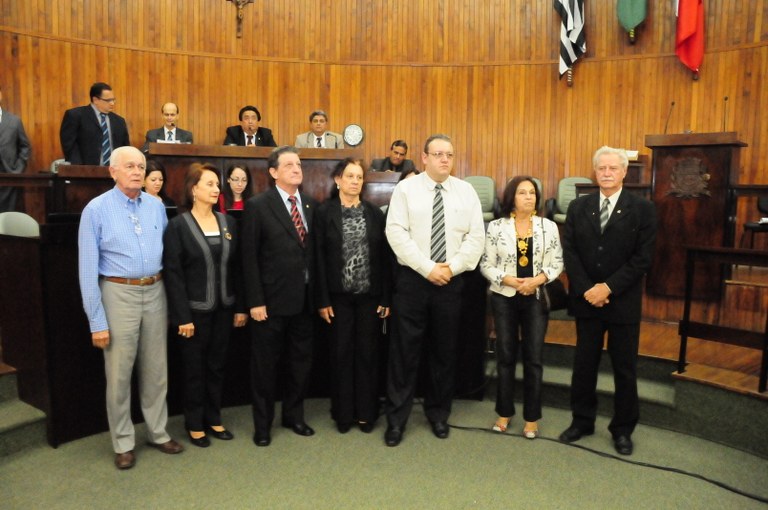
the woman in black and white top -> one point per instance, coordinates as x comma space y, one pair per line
522, 253
353, 294
201, 272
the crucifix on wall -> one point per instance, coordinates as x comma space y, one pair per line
240, 4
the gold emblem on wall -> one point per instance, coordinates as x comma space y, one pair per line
689, 179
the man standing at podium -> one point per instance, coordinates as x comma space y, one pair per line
90, 133
14, 153
608, 247
249, 133
120, 245
319, 137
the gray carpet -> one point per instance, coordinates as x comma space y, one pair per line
471, 469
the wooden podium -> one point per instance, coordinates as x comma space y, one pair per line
692, 180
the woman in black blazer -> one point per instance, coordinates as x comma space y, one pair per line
353, 294
201, 271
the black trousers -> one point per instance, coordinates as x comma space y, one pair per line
426, 320
354, 345
204, 356
280, 339
623, 344
520, 324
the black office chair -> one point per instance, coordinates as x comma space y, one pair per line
755, 227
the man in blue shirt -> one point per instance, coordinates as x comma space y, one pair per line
120, 261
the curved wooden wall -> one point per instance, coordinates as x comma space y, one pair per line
483, 71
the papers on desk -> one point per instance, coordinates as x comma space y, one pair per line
632, 155
763, 221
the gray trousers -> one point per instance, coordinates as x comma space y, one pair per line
138, 329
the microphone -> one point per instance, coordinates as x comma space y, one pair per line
725, 111
669, 114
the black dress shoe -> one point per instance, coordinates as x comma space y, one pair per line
202, 442
440, 429
300, 428
262, 439
366, 427
574, 433
224, 435
343, 428
623, 445
393, 436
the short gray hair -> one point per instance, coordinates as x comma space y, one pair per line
607, 151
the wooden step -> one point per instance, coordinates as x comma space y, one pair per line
730, 380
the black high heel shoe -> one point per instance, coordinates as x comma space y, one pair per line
202, 442
224, 435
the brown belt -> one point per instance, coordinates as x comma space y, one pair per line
147, 280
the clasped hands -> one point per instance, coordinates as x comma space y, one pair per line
598, 295
441, 274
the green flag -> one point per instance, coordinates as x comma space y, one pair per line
631, 12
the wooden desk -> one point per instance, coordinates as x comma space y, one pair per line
379, 186
36, 189
317, 165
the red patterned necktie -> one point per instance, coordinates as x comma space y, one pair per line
296, 217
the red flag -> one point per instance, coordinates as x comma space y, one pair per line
689, 42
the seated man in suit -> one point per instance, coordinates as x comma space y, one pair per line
249, 133
169, 133
396, 161
90, 133
319, 137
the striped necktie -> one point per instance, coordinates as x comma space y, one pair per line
604, 214
437, 247
170, 136
296, 218
319, 143
106, 150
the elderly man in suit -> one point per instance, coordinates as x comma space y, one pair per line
169, 133
319, 137
277, 254
608, 247
90, 133
14, 153
396, 162
249, 133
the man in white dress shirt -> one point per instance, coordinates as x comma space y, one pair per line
435, 228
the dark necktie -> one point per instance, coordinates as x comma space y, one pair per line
296, 217
105, 148
437, 247
319, 143
604, 214
170, 136
250, 140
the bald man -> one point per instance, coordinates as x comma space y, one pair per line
169, 133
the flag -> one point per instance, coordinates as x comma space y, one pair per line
631, 12
573, 41
689, 42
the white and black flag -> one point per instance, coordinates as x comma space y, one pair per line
573, 41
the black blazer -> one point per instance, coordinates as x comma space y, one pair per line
619, 257
154, 135
275, 262
189, 272
236, 136
329, 241
80, 135
384, 164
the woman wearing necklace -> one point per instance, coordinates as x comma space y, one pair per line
353, 294
201, 271
522, 253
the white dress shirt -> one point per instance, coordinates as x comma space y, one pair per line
409, 224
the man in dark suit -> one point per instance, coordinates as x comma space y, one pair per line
90, 133
278, 270
14, 153
608, 247
249, 133
169, 133
396, 162
319, 137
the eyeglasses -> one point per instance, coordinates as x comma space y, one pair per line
441, 155
110, 100
235, 180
